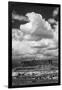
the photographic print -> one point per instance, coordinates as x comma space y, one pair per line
34, 44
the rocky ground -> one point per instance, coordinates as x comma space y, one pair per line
33, 75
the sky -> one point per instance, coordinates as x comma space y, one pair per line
23, 8
35, 31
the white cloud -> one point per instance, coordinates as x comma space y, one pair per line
20, 18
37, 27
36, 48
36, 38
51, 21
55, 12
17, 34
56, 32
51, 52
24, 47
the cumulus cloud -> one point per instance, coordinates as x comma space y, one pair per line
56, 27
17, 34
55, 12
51, 52
24, 47
20, 18
37, 27
36, 38
51, 20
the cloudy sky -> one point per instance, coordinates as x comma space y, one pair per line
35, 32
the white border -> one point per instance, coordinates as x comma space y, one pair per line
4, 43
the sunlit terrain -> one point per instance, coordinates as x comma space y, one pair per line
42, 72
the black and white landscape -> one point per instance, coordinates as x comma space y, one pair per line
34, 44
